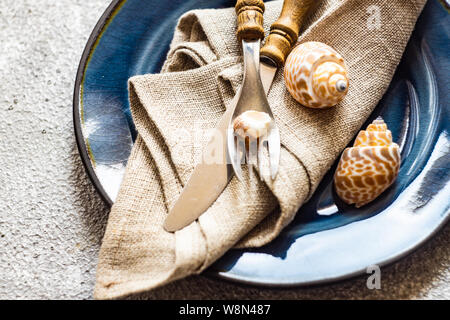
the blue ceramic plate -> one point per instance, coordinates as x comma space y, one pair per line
328, 240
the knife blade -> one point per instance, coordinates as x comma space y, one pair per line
208, 180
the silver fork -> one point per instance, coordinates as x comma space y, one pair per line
253, 97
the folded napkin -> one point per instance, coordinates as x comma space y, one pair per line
173, 109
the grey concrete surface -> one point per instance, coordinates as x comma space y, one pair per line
52, 220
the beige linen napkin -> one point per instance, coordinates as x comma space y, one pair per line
198, 80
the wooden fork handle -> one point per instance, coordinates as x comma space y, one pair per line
250, 19
284, 32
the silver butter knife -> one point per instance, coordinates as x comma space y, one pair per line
209, 179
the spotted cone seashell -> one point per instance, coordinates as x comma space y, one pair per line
316, 75
369, 167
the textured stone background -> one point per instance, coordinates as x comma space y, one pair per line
51, 219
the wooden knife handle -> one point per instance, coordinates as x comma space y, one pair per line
284, 32
250, 19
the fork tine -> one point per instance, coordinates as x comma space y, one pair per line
240, 157
246, 151
234, 155
252, 152
231, 147
273, 143
260, 157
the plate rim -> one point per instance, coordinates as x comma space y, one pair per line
82, 66
209, 273
247, 281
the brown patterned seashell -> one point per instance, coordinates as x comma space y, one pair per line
316, 75
252, 124
369, 167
